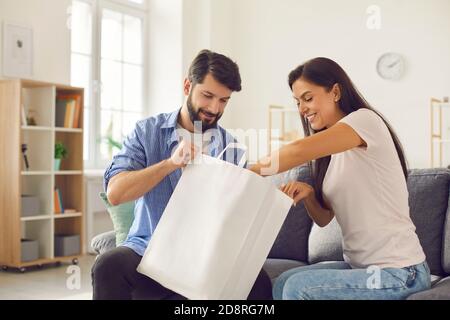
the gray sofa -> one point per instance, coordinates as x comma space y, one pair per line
300, 242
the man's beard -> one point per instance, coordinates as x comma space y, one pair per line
195, 115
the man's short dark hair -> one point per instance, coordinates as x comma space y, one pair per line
222, 68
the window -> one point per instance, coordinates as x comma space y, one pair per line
108, 51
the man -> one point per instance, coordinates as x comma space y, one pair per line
148, 168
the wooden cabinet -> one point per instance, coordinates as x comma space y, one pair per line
19, 98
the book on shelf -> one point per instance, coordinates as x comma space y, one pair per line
70, 211
57, 202
68, 110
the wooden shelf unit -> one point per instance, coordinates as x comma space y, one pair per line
286, 121
438, 141
40, 179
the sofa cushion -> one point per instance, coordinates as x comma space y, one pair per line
325, 244
122, 217
275, 267
428, 202
440, 291
104, 242
292, 240
446, 236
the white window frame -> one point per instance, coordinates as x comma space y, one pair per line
127, 3
124, 7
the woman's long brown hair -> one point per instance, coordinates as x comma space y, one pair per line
326, 73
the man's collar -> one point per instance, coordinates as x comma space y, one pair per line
171, 121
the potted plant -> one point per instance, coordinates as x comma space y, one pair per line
60, 152
109, 141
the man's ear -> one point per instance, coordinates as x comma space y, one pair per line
336, 92
186, 86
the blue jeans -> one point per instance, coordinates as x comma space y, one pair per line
338, 281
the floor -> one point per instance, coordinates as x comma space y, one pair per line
51, 282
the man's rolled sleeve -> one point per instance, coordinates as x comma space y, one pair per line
130, 158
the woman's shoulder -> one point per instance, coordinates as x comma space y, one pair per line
365, 112
364, 115
367, 124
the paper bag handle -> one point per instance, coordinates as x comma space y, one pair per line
235, 145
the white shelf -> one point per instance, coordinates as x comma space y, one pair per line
74, 130
442, 104
68, 172
35, 173
36, 128
33, 218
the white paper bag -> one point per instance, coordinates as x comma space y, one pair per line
216, 231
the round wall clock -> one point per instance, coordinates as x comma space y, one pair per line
391, 66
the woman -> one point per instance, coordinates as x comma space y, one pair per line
360, 178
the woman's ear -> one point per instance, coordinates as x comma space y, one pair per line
186, 86
336, 92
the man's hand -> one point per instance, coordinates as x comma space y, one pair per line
184, 153
297, 190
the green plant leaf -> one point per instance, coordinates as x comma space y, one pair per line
108, 140
60, 150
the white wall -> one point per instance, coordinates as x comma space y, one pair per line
48, 18
196, 29
268, 38
205, 26
165, 55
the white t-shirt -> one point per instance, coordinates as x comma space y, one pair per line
366, 189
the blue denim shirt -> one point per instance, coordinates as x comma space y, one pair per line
152, 141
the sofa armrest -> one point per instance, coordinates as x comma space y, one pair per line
104, 242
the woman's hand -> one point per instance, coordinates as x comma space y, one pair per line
297, 190
255, 168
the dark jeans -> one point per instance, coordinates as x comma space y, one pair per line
114, 277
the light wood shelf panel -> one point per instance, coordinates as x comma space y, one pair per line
67, 215
9, 171
32, 218
35, 173
68, 172
36, 128
72, 130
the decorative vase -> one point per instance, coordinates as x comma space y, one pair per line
57, 164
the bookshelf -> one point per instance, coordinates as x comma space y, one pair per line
19, 98
284, 126
439, 139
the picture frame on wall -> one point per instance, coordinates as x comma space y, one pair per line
17, 50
